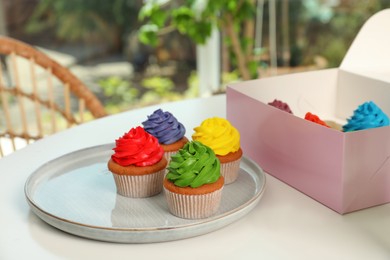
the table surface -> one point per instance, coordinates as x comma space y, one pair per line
285, 224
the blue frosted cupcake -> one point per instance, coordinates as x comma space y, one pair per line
168, 130
366, 116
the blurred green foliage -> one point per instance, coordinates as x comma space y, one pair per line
118, 90
329, 27
158, 84
196, 19
87, 20
121, 94
315, 28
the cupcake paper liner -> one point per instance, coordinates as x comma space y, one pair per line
139, 186
193, 206
230, 170
168, 155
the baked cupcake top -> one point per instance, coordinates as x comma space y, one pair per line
164, 126
367, 115
315, 119
219, 135
281, 105
194, 165
138, 148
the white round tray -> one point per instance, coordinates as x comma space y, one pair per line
76, 193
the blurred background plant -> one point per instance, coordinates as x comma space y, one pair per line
308, 33
258, 36
196, 19
118, 92
87, 20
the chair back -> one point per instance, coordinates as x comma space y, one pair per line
38, 96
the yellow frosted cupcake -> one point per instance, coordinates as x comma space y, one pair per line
224, 139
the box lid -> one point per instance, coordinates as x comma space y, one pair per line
369, 54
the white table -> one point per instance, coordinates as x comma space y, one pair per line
285, 224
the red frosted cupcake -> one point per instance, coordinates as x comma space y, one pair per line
138, 164
315, 119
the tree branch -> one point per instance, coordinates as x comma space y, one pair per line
241, 59
166, 30
249, 34
249, 31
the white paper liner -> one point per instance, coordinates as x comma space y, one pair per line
193, 206
139, 186
168, 155
230, 170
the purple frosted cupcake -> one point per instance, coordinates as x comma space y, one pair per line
169, 132
281, 105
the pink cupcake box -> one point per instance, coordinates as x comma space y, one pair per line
344, 171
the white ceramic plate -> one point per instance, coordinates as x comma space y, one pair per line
76, 193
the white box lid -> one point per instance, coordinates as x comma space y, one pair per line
369, 54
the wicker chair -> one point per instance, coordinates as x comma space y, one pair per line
38, 96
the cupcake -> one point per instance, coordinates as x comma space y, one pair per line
224, 140
193, 185
315, 119
281, 105
138, 164
334, 125
169, 132
366, 116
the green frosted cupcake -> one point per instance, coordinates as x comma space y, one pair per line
193, 185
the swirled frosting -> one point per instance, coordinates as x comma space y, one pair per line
281, 105
315, 119
164, 126
194, 165
137, 147
219, 135
367, 115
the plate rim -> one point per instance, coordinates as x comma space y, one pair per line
38, 210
